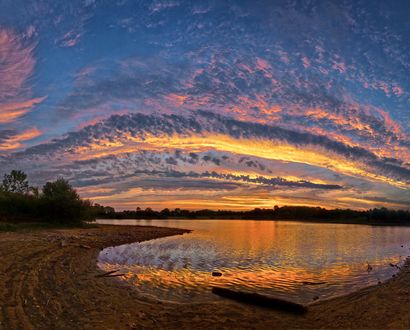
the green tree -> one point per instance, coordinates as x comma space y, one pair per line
16, 182
60, 189
61, 203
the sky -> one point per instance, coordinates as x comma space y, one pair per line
209, 104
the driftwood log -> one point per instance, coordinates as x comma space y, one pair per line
115, 275
107, 273
313, 283
260, 300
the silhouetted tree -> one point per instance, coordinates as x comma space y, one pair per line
61, 203
16, 182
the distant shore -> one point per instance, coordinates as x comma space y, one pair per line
48, 280
381, 216
324, 221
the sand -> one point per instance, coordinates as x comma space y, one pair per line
48, 281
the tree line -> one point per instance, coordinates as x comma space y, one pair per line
376, 215
56, 202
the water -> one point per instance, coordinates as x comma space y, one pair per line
292, 260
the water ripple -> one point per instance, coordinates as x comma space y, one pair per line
297, 262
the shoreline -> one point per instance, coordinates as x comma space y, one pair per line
48, 280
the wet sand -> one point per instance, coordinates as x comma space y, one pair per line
48, 281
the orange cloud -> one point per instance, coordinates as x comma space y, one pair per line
176, 99
389, 122
15, 141
247, 106
267, 149
241, 199
9, 112
353, 122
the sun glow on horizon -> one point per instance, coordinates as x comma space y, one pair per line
267, 149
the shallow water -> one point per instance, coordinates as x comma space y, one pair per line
293, 260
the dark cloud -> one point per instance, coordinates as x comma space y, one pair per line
275, 182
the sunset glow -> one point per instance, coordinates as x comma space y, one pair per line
220, 105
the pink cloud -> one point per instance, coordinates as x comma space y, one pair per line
16, 64
383, 86
398, 91
339, 66
70, 39
85, 72
16, 67
284, 57
30, 32
389, 123
245, 67
305, 62
324, 71
261, 64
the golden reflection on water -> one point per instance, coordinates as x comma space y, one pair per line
301, 260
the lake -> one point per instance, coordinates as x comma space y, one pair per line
294, 260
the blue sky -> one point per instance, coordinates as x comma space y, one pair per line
280, 102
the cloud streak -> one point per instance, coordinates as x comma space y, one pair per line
10, 140
16, 64
9, 112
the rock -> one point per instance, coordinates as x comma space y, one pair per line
216, 274
315, 297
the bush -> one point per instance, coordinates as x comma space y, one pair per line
58, 202
17, 206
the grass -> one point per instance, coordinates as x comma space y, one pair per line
30, 226
8, 227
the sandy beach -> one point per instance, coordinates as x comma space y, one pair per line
48, 281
